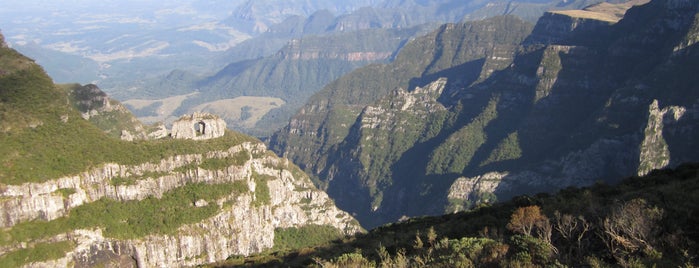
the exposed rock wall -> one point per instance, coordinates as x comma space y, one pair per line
654, 151
242, 227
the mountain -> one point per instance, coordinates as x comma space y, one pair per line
316, 134
645, 221
259, 16
74, 195
582, 98
303, 67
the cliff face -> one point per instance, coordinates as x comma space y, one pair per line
352, 134
244, 223
73, 196
583, 98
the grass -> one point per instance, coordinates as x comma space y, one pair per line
66, 192
262, 194
245, 110
43, 137
237, 159
39, 156
305, 236
40, 252
131, 219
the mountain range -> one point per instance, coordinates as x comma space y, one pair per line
135, 52
496, 108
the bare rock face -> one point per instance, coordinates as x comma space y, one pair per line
159, 132
198, 126
244, 223
655, 153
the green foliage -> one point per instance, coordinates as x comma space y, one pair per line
66, 192
43, 138
528, 249
52, 151
237, 159
507, 149
350, 260
132, 219
262, 195
295, 238
455, 154
37, 253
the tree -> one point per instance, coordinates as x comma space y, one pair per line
572, 230
525, 219
631, 228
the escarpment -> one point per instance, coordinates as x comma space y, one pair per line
72, 194
268, 193
586, 95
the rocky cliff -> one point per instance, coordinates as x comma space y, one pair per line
73, 196
584, 98
244, 222
351, 134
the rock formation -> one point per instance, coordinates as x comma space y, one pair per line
198, 126
243, 225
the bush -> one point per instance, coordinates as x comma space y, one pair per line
38, 253
304, 236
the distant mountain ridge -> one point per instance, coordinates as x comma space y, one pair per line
591, 101
146, 52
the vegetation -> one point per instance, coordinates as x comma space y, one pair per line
642, 222
295, 238
131, 219
262, 195
42, 138
507, 149
39, 252
237, 159
455, 154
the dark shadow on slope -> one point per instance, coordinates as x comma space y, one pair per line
429, 197
459, 76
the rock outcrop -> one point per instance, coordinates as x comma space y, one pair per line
198, 126
243, 225
655, 153
106, 113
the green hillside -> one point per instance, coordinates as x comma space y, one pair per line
44, 137
73, 194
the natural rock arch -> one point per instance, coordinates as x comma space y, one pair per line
198, 126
